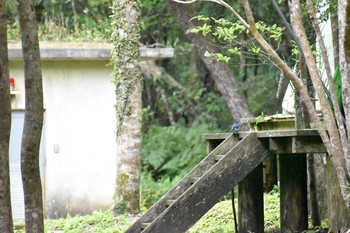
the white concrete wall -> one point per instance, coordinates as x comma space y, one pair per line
79, 134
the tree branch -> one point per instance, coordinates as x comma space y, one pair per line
337, 113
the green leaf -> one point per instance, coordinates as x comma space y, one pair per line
235, 50
221, 57
260, 118
255, 50
208, 54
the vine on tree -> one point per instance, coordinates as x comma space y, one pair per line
125, 56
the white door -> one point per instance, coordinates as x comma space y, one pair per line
17, 197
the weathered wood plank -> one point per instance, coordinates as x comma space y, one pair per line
185, 183
296, 145
214, 184
280, 145
307, 145
293, 193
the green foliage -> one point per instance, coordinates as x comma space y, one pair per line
271, 210
204, 29
153, 190
218, 56
155, 31
126, 70
338, 87
258, 90
220, 217
229, 33
98, 222
168, 152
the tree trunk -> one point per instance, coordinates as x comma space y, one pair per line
335, 37
220, 72
344, 57
6, 224
33, 121
127, 191
127, 73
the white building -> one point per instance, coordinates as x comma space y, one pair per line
78, 150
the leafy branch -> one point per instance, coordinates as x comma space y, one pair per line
228, 33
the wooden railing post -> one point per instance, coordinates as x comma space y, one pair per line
251, 202
293, 193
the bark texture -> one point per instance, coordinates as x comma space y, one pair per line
334, 145
127, 191
33, 120
219, 71
344, 57
126, 59
6, 224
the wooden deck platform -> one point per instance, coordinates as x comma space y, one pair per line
237, 159
291, 146
289, 141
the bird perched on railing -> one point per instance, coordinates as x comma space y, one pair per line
235, 127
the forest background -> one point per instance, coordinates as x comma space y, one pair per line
186, 103
181, 109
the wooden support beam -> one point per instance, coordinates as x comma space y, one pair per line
293, 193
188, 181
251, 202
215, 183
307, 145
296, 145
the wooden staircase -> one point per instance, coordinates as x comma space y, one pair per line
201, 188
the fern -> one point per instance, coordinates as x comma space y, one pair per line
171, 151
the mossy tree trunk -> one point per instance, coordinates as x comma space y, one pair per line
127, 78
33, 120
6, 224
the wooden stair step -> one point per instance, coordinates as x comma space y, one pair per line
195, 201
144, 225
193, 180
218, 157
162, 205
169, 202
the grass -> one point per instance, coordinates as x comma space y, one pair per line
218, 220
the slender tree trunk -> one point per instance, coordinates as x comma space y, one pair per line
33, 121
127, 73
220, 72
335, 36
169, 111
127, 192
344, 57
75, 16
6, 224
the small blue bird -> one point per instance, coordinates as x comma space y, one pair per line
235, 127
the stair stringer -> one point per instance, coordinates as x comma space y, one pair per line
213, 185
184, 183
